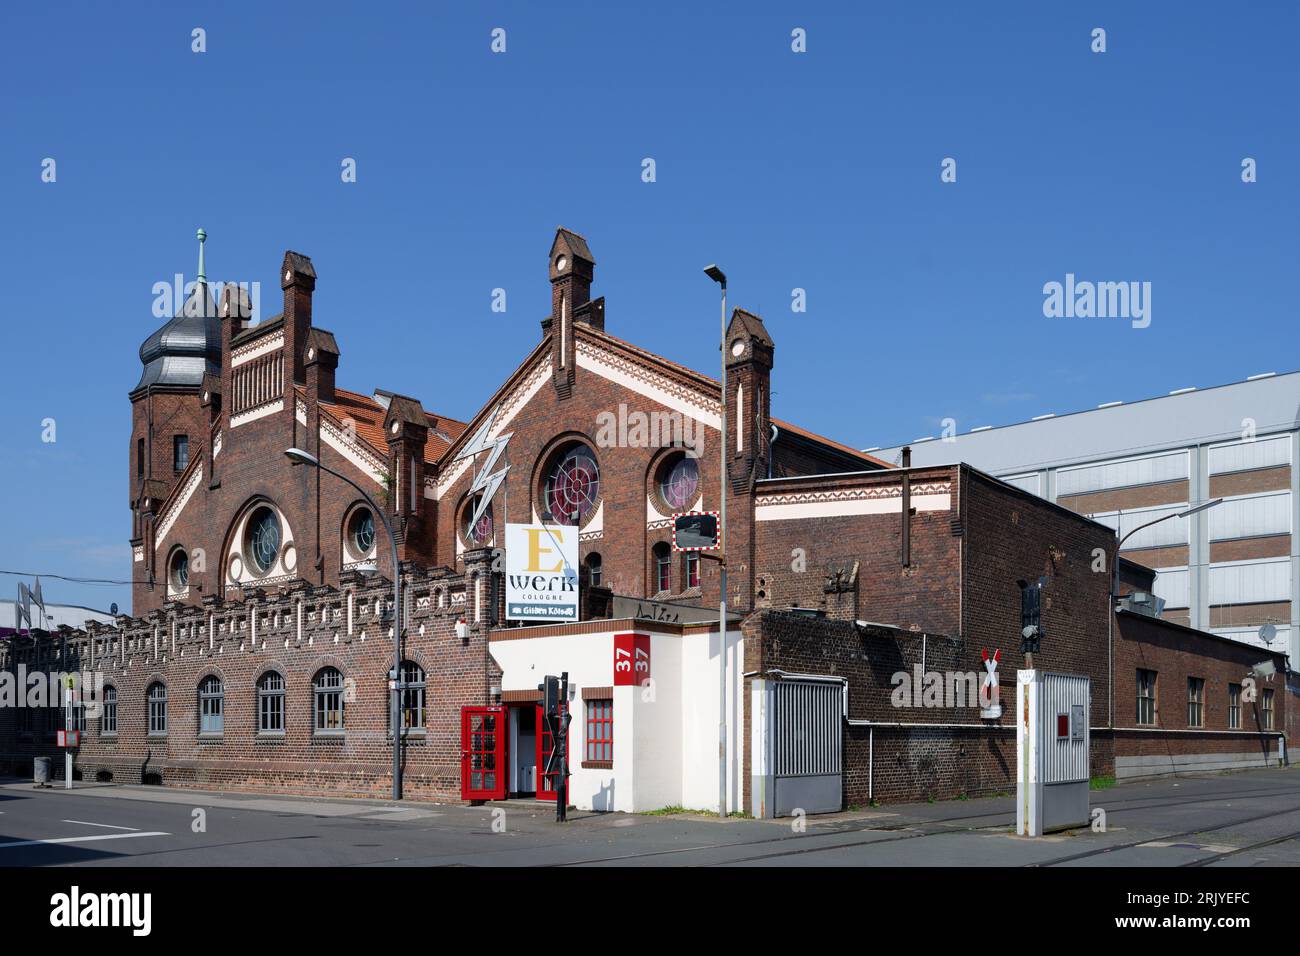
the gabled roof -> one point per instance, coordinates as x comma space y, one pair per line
711, 384
751, 324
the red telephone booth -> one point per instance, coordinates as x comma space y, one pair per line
484, 745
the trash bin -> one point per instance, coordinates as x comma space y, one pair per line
41, 771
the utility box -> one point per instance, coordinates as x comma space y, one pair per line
1052, 751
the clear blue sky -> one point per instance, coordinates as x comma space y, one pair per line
817, 170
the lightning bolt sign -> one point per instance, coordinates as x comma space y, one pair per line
486, 481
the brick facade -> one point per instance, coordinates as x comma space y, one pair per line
820, 539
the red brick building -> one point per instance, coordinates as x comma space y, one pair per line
260, 647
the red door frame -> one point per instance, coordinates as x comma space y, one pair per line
490, 751
543, 748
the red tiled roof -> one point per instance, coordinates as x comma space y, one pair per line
369, 417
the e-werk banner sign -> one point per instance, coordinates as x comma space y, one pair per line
541, 572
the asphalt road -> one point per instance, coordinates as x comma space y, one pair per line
1244, 819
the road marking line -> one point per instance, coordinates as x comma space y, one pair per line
87, 823
84, 839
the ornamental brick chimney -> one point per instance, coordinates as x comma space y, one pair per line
298, 279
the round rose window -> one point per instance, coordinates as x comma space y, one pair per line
680, 482
572, 485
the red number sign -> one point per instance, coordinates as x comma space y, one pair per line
631, 659
69, 738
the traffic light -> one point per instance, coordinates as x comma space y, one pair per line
1031, 630
551, 697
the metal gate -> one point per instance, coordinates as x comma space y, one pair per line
799, 746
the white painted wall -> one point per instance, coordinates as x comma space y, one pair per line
665, 735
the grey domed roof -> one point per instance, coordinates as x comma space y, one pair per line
187, 346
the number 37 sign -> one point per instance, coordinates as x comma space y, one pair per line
631, 659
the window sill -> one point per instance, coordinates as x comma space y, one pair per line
108, 735
327, 737
211, 738
598, 765
410, 736
157, 736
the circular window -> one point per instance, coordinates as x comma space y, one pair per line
679, 481
179, 570
480, 532
361, 532
572, 485
262, 541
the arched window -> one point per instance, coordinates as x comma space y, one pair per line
212, 698
595, 569
476, 532
412, 697
262, 540
108, 713
692, 569
327, 701
663, 567
359, 535
178, 570
157, 698
572, 484
679, 481
261, 547
270, 703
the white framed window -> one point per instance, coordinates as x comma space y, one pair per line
1249, 455
1251, 516
1122, 473
1250, 582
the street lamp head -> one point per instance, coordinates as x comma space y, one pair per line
1201, 507
300, 457
716, 274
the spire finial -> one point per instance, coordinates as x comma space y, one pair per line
203, 276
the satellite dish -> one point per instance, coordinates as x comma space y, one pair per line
1267, 633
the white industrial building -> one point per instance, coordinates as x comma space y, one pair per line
1232, 569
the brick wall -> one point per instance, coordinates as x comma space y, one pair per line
181, 646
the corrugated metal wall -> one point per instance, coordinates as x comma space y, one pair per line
808, 725
1064, 760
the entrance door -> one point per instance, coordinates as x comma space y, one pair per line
547, 783
484, 769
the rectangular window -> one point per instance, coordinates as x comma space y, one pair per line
692, 569
180, 452
1195, 701
600, 730
1146, 697
211, 720
1234, 706
157, 709
663, 572
1266, 709
108, 713
270, 704
139, 457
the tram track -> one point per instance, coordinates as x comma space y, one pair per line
922, 830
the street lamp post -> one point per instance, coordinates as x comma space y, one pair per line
720, 277
298, 456
1114, 586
